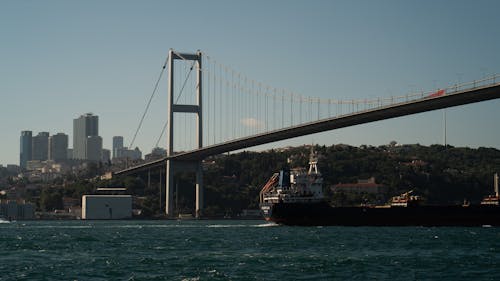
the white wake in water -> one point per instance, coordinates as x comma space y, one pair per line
266, 224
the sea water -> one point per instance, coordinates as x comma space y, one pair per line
243, 250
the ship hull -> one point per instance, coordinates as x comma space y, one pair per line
322, 214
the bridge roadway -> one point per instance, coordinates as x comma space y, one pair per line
425, 104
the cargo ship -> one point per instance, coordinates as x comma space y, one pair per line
295, 197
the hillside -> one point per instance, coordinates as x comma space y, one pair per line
442, 175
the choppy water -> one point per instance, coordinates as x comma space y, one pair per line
243, 250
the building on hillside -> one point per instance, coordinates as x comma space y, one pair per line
16, 210
32, 165
13, 168
368, 186
416, 164
37, 170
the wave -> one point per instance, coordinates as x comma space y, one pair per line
59, 226
267, 224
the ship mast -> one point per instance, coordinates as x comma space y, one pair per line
495, 180
313, 162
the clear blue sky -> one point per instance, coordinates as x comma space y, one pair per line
61, 59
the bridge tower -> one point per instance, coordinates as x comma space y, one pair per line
173, 166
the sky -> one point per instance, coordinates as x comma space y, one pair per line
62, 59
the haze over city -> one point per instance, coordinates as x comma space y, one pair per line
63, 59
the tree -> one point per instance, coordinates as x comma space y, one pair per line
51, 199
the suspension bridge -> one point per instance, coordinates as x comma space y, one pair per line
218, 110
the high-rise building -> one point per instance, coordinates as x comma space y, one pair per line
105, 155
156, 153
25, 148
132, 154
93, 148
117, 145
136, 154
58, 147
40, 146
70, 153
85, 126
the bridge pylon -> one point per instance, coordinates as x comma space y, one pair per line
173, 166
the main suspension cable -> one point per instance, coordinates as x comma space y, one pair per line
149, 102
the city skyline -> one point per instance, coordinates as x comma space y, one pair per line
44, 146
326, 49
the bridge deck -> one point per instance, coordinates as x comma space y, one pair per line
468, 96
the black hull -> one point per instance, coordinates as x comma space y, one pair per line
322, 214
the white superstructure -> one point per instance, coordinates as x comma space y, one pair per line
295, 186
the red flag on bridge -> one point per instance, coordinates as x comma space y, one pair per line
438, 93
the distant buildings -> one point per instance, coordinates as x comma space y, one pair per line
87, 144
45, 157
14, 210
58, 147
132, 154
117, 145
106, 155
93, 148
156, 153
120, 152
25, 148
45, 170
40, 146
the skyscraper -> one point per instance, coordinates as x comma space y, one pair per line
58, 147
25, 148
85, 126
40, 146
117, 145
106, 155
93, 148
